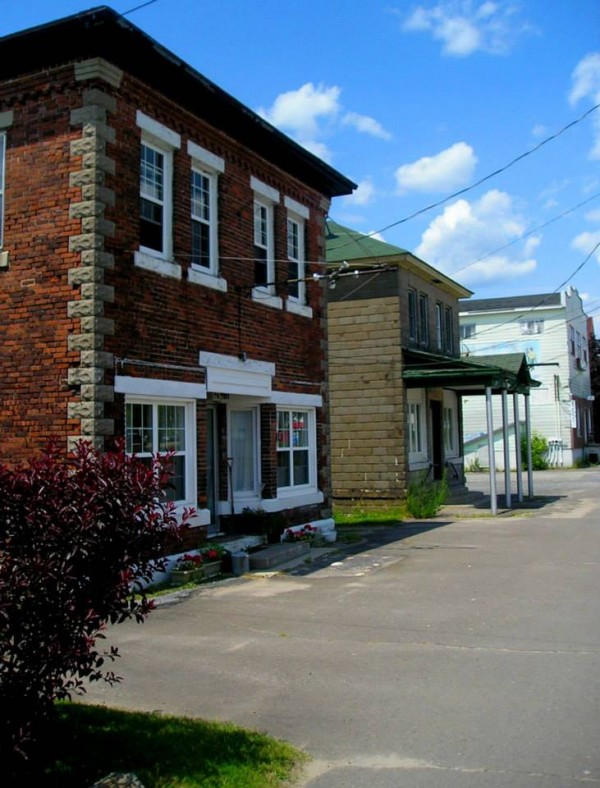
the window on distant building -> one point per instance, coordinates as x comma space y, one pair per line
572, 339
423, 319
412, 315
532, 327
158, 427
467, 330
448, 331
439, 327
296, 454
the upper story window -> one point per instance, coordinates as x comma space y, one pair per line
467, 330
423, 319
572, 340
412, 315
297, 216
2, 165
448, 330
532, 327
158, 144
204, 195
265, 199
439, 327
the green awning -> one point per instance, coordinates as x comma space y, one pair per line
468, 374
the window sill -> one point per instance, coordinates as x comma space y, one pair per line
265, 298
298, 309
157, 264
202, 277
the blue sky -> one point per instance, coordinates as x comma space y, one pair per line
416, 102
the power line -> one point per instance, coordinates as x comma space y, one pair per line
493, 174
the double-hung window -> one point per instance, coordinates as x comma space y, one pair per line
265, 200
448, 331
204, 190
296, 455
158, 427
2, 165
529, 327
412, 315
157, 147
439, 326
297, 215
423, 319
417, 429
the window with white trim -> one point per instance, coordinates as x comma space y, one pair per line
157, 147
204, 191
244, 452
417, 428
530, 327
423, 327
296, 258
161, 426
2, 166
296, 448
264, 258
467, 330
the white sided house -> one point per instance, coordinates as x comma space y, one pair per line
551, 330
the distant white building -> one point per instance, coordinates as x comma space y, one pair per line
551, 329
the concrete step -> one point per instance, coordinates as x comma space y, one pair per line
277, 554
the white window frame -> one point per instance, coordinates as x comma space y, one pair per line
189, 453
297, 216
439, 326
532, 327
310, 413
450, 425
265, 198
417, 449
157, 137
209, 166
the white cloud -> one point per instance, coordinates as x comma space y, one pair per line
366, 125
313, 112
585, 243
299, 110
362, 195
586, 85
460, 239
593, 216
465, 27
539, 130
447, 170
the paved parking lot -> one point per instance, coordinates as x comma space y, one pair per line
450, 653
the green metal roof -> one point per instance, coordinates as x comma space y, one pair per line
346, 244
473, 373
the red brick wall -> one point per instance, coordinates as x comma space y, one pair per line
157, 319
33, 289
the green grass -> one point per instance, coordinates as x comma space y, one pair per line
88, 742
370, 514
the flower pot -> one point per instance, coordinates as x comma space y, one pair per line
180, 577
211, 569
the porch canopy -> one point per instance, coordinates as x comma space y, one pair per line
502, 374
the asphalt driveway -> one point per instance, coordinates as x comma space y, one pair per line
449, 653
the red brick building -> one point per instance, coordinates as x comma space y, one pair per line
157, 248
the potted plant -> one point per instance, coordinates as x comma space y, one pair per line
212, 556
187, 569
306, 533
